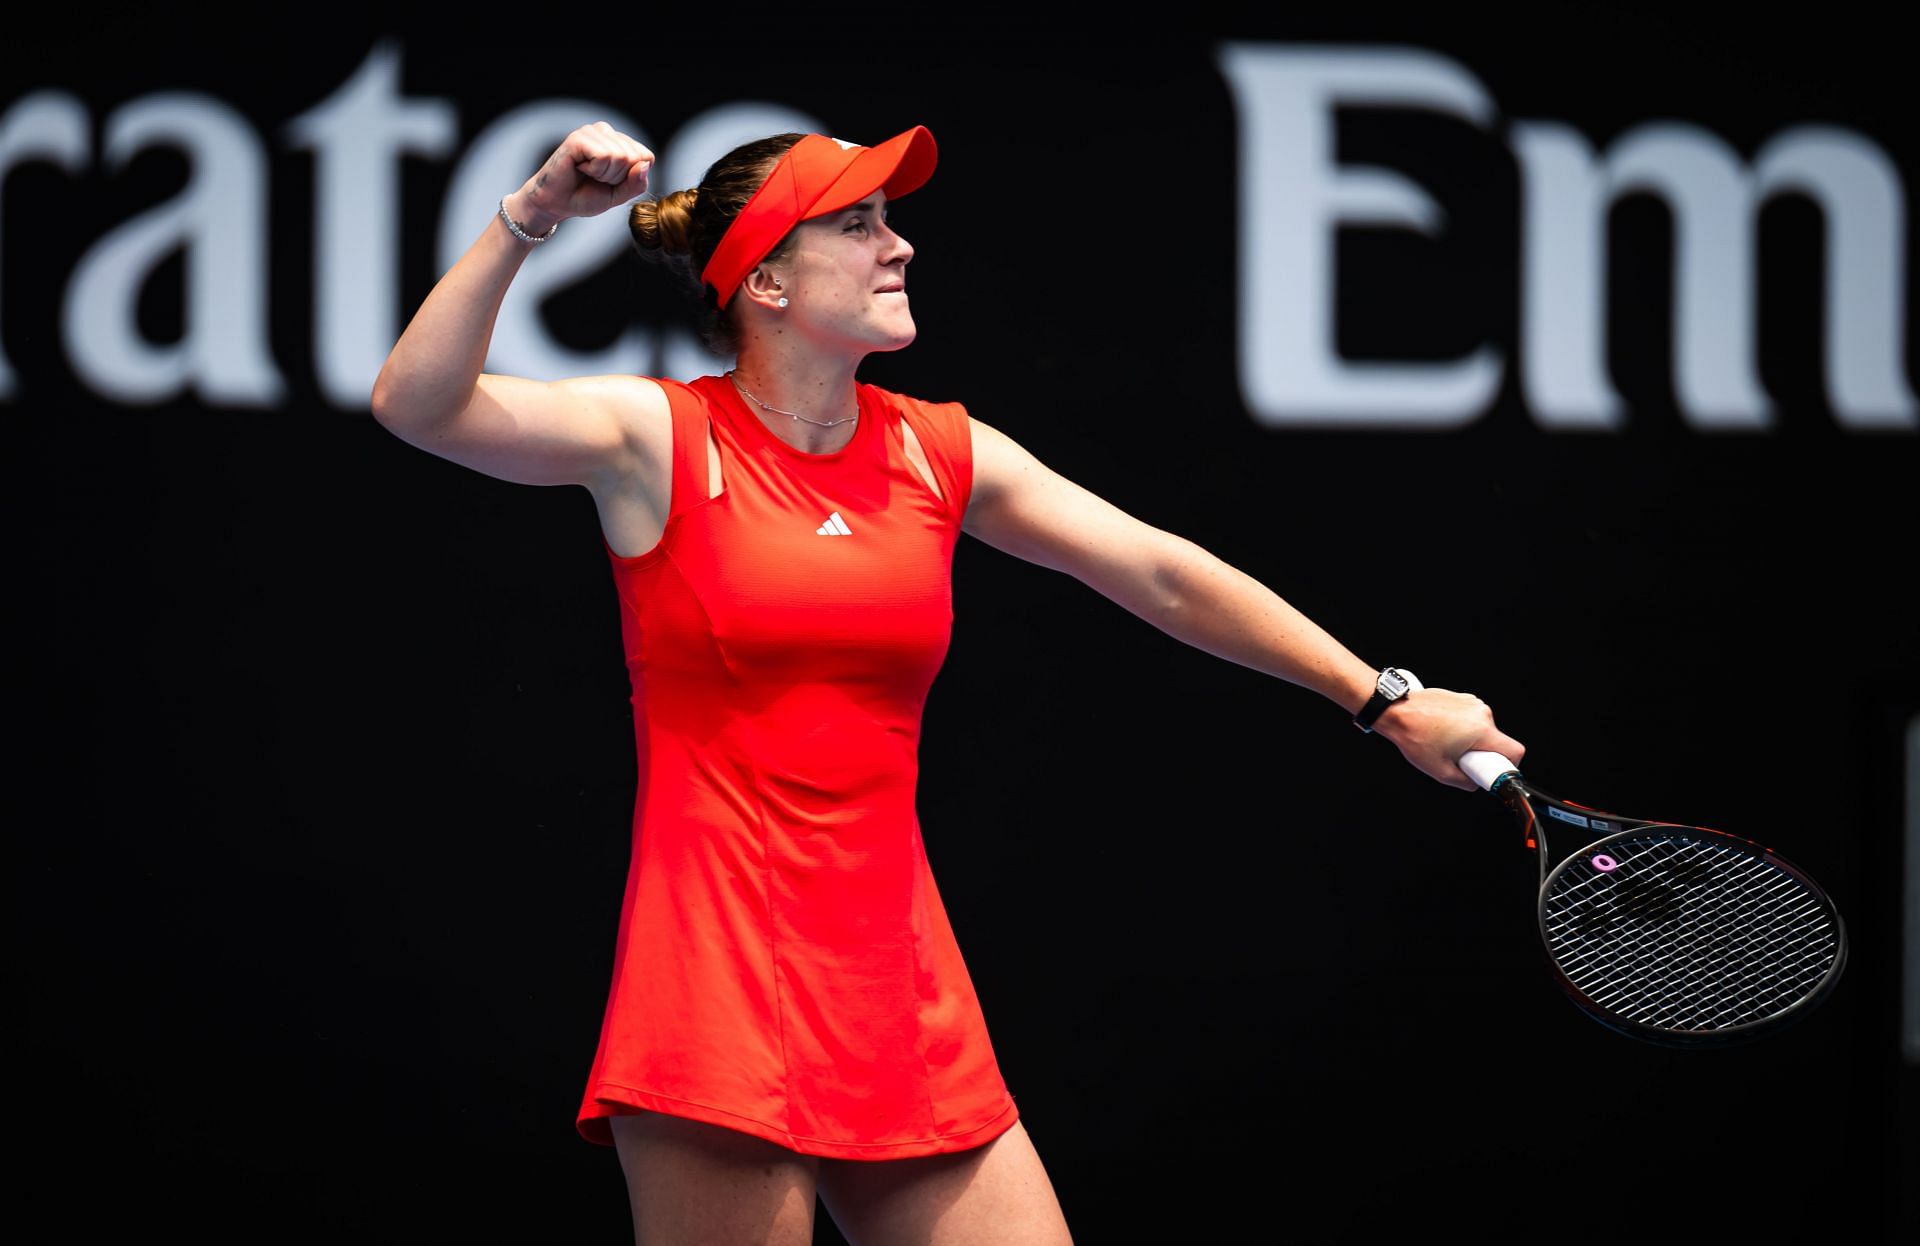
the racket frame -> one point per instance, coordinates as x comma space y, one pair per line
1526, 802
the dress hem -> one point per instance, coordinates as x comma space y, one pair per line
609, 1097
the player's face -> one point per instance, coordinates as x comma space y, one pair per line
846, 280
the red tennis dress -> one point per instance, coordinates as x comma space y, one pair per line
784, 965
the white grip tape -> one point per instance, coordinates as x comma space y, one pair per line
1485, 767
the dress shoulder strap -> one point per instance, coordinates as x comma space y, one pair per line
690, 482
947, 438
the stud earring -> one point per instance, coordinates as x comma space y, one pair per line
783, 300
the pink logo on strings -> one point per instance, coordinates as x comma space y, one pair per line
1604, 863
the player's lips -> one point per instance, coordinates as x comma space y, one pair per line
896, 287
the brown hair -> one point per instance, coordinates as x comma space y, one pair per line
682, 229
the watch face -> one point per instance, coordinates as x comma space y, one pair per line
1393, 685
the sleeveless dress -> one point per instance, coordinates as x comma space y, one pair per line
784, 965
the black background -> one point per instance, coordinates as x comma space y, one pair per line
322, 815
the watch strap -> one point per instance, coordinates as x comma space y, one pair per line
1393, 685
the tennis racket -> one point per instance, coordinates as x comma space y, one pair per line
1673, 934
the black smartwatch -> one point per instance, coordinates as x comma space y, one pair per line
1394, 683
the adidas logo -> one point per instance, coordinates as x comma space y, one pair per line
835, 526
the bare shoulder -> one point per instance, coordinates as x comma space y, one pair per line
643, 417
1007, 480
641, 436
999, 463
586, 430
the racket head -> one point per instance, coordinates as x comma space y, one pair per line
1677, 934
1689, 937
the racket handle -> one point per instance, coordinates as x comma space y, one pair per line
1485, 767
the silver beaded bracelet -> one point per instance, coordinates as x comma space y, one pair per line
520, 233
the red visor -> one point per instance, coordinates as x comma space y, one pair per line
818, 175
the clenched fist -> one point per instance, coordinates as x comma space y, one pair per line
593, 169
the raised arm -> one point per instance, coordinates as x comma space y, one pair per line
1020, 506
431, 392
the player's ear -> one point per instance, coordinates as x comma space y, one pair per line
766, 287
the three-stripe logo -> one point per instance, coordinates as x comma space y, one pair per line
835, 526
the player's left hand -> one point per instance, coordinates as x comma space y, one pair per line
1434, 727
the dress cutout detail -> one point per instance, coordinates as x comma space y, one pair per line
784, 964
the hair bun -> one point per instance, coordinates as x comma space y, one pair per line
664, 225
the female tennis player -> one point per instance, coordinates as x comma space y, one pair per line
789, 1014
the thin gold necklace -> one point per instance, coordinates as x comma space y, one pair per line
795, 414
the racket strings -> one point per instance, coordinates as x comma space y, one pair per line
1718, 989
1692, 990
1688, 935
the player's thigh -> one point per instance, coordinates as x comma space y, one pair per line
992, 1195
691, 1184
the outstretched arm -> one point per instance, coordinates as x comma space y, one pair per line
1020, 506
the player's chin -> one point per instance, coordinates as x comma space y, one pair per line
898, 335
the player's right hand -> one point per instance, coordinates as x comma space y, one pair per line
595, 168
